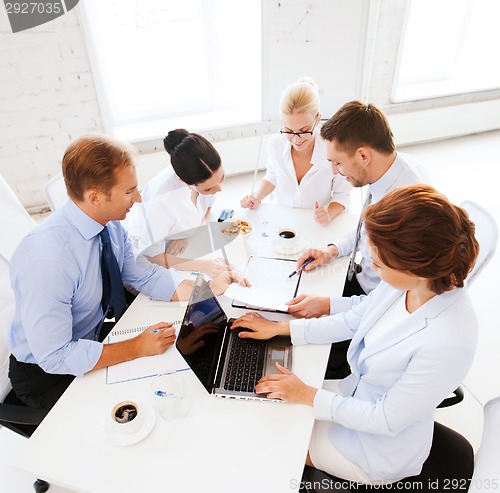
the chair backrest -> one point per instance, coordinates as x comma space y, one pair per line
487, 463
486, 235
55, 192
6, 313
15, 222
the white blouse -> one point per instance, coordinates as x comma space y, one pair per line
318, 184
167, 212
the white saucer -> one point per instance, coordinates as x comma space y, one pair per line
295, 248
121, 439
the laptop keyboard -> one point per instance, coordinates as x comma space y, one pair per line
246, 364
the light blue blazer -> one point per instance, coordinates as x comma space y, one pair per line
385, 414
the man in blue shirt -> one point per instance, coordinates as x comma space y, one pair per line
56, 277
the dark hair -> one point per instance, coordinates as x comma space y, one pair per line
417, 229
91, 161
357, 124
193, 157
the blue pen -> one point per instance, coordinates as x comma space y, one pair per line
155, 331
307, 262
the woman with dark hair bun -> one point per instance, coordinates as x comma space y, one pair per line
176, 201
413, 342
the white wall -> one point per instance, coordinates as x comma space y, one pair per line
48, 97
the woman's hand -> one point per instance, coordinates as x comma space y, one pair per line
213, 268
260, 327
176, 247
287, 387
321, 215
220, 283
249, 202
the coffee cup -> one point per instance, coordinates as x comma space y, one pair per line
286, 240
125, 418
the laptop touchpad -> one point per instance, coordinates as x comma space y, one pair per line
276, 354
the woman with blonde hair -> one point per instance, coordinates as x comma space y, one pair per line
297, 169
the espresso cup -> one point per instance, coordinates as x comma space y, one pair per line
286, 240
125, 417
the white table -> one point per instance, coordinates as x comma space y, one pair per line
221, 445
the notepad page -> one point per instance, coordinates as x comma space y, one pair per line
147, 366
262, 298
271, 284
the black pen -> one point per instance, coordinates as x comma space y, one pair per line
308, 261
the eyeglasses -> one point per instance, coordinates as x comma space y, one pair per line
300, 135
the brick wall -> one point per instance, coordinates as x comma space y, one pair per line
47, 97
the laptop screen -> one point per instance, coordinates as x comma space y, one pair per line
202, 331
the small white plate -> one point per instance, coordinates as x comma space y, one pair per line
121, 439
295, 248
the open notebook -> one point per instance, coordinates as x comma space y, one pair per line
271, 285
147, 366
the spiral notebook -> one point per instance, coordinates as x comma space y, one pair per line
148, 366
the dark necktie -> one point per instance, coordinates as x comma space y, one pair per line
113, 292
352, 263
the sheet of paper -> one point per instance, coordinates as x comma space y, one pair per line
148, 366
258, 297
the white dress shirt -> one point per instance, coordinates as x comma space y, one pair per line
318, 184
405, 171
167, 212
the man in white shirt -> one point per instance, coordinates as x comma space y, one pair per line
360, 146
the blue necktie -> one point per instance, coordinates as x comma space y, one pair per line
113, 292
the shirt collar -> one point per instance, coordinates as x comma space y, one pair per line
379, 188
87, 226
318, 157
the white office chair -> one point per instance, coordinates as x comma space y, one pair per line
55, 192
15, 222
6, 313
486, 235
487, 463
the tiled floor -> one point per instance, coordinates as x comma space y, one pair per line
463, 168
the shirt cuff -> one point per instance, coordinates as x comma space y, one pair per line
297, 332
82, 358
344, 246
322, 405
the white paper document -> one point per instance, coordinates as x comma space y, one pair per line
258, 297
168, 362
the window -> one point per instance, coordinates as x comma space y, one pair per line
160, 64
448, 47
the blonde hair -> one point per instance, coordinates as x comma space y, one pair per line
300, 97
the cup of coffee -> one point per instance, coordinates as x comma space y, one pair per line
126, 417
286, 240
